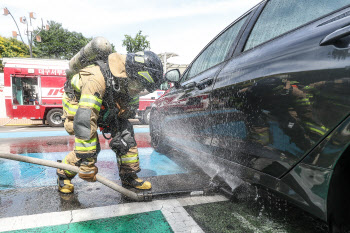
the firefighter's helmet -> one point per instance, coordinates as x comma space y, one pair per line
146, 68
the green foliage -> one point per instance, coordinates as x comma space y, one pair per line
59, 42
138, 43
10, 47
113, 48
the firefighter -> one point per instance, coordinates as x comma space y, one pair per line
106, 95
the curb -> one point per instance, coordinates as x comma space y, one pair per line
19, 122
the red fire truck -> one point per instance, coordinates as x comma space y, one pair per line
145, 102
33, 88
144, 111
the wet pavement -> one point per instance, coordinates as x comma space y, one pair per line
29, 192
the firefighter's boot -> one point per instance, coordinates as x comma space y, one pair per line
65, 186
131, 180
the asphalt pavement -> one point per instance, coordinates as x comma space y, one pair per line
28, 190
30, 202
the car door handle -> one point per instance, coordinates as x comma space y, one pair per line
205, 83
336, 35
189, 85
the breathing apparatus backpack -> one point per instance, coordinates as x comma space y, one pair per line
97, 49
97, 52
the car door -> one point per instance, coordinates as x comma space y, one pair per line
286, 87
186, 114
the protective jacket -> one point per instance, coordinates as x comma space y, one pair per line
81, 111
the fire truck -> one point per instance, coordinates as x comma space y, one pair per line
145, 102
33, 89
143, 113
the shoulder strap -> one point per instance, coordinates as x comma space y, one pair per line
108, 98
107, 74
110, 83
68, 89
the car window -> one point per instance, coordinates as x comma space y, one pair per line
185, 75
280, 16
216, 52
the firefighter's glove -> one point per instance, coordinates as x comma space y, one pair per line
119, 145
88, 172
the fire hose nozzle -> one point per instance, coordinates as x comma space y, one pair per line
145, 196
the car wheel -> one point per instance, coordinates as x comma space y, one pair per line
157, 138
146, 116
54, 117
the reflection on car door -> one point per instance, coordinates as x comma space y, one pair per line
187, 121
282, 92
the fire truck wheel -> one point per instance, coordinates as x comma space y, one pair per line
53, 117
146, 116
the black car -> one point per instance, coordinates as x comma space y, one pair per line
268, 100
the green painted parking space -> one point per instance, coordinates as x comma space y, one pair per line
150, 222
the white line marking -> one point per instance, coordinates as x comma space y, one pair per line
17, 129
179, 219
172, 209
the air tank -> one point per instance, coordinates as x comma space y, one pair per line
97, 49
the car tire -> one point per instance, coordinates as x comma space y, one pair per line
54, 117
157, 138
146, 116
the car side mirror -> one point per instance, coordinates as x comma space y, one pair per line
173, 76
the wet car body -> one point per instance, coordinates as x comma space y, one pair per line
271, 109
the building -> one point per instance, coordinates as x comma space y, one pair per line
170, 66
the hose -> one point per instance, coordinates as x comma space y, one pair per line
132, 195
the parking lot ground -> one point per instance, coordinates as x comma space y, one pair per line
262, 214
30, 202
29, 191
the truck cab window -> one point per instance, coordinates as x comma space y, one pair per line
25, 91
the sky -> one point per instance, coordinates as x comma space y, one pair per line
183, 27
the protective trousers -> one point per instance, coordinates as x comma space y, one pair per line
125, 147
81, 112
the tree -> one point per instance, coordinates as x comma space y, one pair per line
136, 44
59, 42
10, 47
